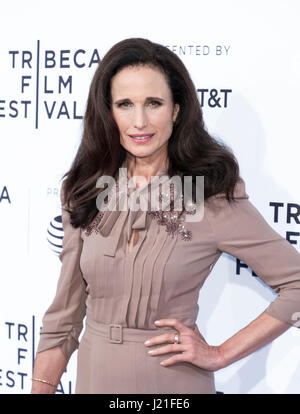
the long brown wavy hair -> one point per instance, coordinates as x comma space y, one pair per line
191, 149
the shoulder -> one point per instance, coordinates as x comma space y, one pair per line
219, 202
239, 191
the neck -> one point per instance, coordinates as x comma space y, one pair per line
136, 167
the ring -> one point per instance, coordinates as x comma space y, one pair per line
176, 339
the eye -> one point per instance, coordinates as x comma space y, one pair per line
124, 104
155, 103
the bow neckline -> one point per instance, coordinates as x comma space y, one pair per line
133, 219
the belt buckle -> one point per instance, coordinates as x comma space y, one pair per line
120, 339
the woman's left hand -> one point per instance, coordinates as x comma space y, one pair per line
193, 347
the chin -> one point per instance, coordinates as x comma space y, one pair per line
138, 152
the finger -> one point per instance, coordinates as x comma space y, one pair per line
196, 330
175, 323
161, 339
173, 360
166, 349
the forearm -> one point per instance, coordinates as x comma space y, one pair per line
49, 365
264, 329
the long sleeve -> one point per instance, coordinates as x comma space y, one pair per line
240, 230
63, 321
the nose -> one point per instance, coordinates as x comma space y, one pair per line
140, 118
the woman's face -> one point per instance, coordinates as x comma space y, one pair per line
142, 105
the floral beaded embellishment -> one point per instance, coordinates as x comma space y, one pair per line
173, 223
94, 226
172, 219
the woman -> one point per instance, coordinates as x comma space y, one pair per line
136, 274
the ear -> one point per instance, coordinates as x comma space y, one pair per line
175, 111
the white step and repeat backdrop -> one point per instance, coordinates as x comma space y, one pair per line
244, 59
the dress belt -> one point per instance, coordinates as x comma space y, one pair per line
117, 334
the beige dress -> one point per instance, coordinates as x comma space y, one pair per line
130, 268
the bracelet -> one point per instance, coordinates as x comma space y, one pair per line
44, 381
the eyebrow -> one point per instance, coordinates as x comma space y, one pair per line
149, 98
